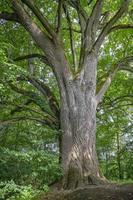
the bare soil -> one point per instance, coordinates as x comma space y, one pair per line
104, 192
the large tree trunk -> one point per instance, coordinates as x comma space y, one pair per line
78, 122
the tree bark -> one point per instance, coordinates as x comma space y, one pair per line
78, 122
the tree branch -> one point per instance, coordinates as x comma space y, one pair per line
74, 30
45, 90
110, 76
34, 55
23, 107
23, 118
89, 2
20, 107
127, 98
120, 26
104, 85
52, 50
59, 11
41, 18
82, 15
93, 20
71, 35
9, 16
109, 25
41, 102
52, 122
76, 4
41, 38
92, 26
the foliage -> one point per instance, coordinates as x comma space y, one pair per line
33, 167
10, 191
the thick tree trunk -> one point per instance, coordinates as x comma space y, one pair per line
78, 122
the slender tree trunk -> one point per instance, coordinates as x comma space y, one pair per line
106, 154
119, 158
78, 122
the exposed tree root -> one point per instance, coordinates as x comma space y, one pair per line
106, 192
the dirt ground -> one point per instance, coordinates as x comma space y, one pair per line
106, 192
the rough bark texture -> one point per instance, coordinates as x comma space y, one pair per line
78, 121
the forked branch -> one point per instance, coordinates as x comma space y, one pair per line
94, 18
29, 25
109, 24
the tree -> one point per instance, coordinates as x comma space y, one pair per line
77, 81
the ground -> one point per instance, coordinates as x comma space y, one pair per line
106, 192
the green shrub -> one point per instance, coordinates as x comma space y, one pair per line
32, 167
11, 191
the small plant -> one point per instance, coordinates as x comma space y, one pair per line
45, 188
8, 189
11, 191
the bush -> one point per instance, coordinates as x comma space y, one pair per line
32, 167
11, 191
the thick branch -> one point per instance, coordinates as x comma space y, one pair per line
111, 22
40, 37
53, 51
121, 65
41, 18
93, 20
106, 84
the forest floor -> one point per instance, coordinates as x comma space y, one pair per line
104, 192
